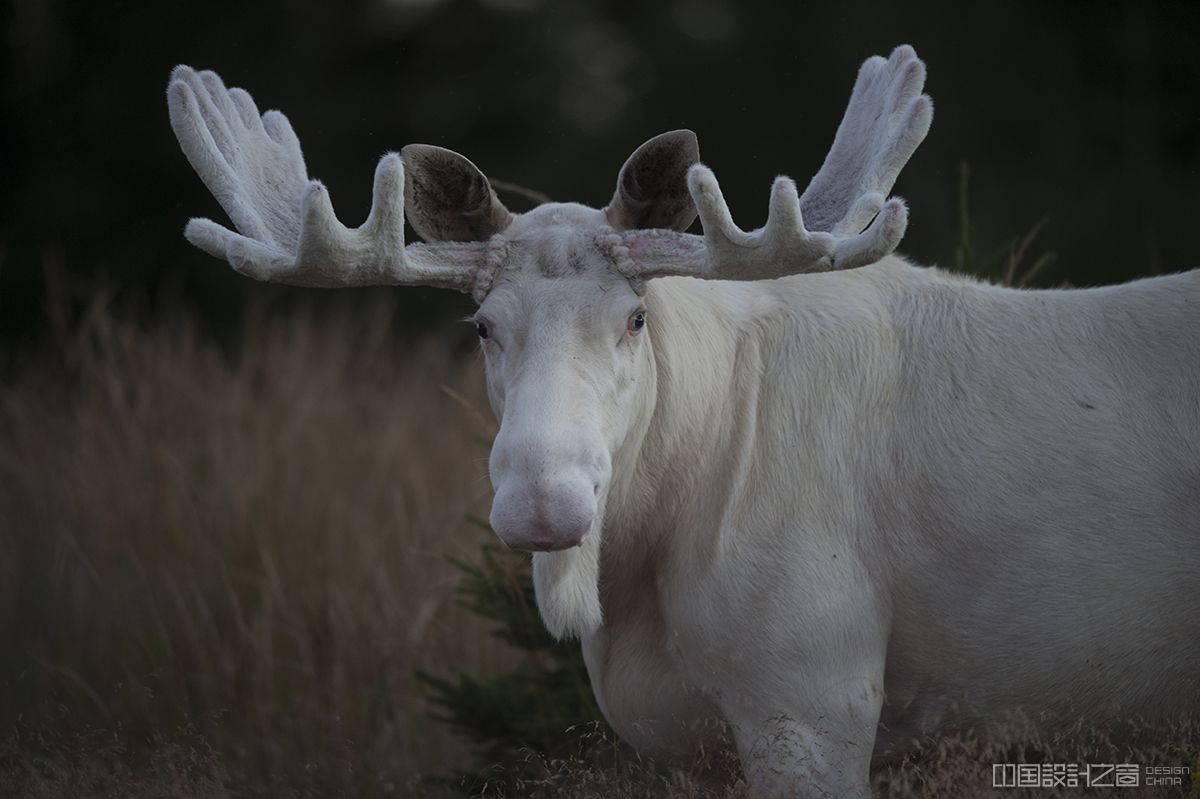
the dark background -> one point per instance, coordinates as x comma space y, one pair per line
1085, 114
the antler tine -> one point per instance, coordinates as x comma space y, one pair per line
287, 229
782, 247
886, 119
765, 253
823, 229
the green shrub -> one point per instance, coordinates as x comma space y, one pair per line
540, 711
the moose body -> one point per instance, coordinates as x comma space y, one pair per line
821, 511
903, 501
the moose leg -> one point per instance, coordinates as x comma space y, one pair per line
822, 749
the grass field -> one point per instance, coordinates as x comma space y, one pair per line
220, 571
241, 557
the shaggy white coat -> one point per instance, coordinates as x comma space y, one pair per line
849, 508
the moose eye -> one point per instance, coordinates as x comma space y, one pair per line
637, 321
482, 329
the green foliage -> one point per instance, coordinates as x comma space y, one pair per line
1192, 762
539, 711
964, 250
1011, 255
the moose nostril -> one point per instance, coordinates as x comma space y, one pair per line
534, 515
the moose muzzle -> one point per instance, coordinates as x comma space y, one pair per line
546, 487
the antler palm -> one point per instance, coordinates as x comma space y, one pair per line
251, 163
287, 230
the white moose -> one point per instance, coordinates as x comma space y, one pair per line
836, 510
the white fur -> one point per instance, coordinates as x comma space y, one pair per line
848, 508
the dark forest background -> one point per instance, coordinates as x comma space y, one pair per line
1084, 114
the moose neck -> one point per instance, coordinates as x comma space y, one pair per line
706, 350
723, 368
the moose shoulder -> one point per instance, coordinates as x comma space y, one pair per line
775, 494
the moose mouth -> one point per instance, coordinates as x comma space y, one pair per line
543, 518
549, 545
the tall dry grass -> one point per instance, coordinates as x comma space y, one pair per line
240, 558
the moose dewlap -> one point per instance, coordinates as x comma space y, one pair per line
821, 511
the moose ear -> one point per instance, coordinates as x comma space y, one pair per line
447, 198
652, 190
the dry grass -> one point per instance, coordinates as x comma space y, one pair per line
962, 764
218, 575
948, 767
248, 549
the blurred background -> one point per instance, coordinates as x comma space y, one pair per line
1086, 115
225, 507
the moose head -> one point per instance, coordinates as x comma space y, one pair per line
569, 296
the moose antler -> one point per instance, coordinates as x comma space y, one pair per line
886, 119
287, 230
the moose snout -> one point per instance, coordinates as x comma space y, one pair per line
548, 472
544, 518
